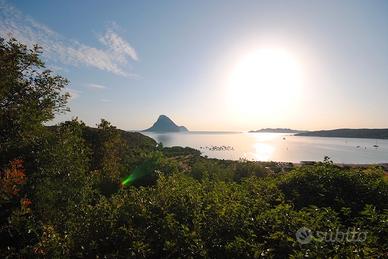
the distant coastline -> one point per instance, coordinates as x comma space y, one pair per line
277, 130
348, 133
335, 133
196, 132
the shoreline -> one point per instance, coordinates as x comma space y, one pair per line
344, 165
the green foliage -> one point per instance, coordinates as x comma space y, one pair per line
184, 217
61, 171
115, 154
326, 185
153, 164
180, 151
211, 170
29, 96
247, 169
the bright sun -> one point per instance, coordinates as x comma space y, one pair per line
265, 82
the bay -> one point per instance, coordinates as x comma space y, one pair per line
278, 147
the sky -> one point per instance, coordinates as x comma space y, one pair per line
130, 61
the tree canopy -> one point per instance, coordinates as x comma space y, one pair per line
29, 96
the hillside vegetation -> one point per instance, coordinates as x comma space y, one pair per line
72, 191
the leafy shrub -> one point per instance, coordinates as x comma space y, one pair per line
326, 185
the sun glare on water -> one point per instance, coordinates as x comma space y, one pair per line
265, 82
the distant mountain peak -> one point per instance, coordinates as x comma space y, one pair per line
277, 130
165, 124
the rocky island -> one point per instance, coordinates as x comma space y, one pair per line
165, 124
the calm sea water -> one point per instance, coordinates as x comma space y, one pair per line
278, 147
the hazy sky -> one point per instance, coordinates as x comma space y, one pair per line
129, 61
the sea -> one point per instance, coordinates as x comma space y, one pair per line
278, 147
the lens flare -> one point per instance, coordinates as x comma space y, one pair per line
146, 168
136, 174
128, 180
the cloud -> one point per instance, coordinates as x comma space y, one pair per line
96, 86
119, 47
113, 57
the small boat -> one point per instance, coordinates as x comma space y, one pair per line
376, 146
